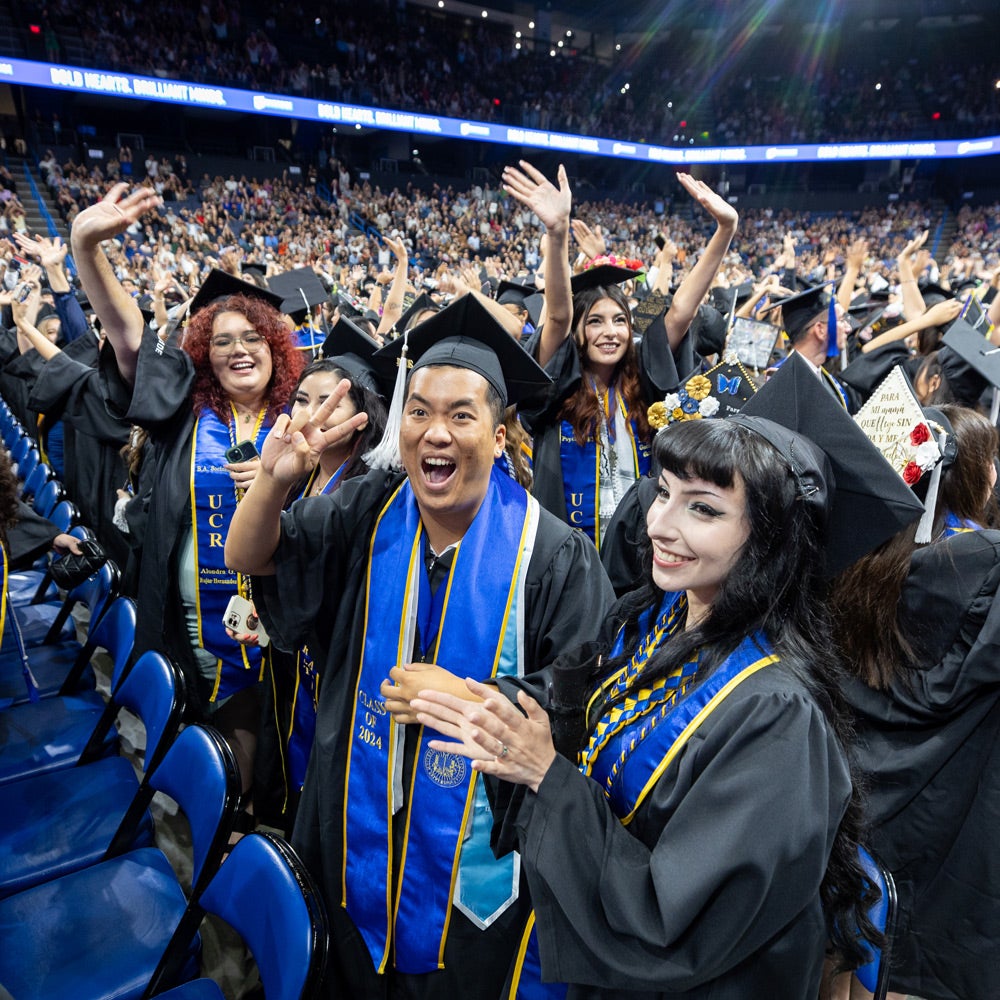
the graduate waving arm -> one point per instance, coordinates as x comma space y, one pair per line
291, 449
120, 317
696, 284
552, 206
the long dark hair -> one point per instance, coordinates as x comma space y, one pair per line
775, 587
582, 407
365, 401
865, 597
8, 496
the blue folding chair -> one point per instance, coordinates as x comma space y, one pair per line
19, 452
27, 467
62, 667
35, 480
54, 733
101, 932
874, 974
47, 496
263, 891
59, 822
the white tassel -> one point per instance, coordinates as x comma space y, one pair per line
995, 406
385, 455
926, 523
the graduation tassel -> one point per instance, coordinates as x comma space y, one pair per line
926, 523
832, 350
385, 455
995, 406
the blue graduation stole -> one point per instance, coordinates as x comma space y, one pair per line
213, 503
308, 338
581, 467
485, 587
634, 743
302, 724
955, 525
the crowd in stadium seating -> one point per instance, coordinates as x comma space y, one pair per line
413, 59
284, 223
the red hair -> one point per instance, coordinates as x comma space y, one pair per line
286, 362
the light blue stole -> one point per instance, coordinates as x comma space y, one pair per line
446, 857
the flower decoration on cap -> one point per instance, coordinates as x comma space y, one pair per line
721, 391
611, 260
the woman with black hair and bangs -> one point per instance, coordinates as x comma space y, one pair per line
591, 435
696, 761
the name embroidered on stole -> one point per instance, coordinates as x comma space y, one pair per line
634, 743
483, 587
213, 503
581, 466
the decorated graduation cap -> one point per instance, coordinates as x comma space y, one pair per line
607, 271
221, 284
300, 290
971, 365
894, 422
352, 350
472, 333
800, 311
719, 392
422, 303
752, 341
867, 501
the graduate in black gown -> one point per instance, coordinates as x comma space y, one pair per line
699, 839
420, 576
222, 388
590, 433
920, 628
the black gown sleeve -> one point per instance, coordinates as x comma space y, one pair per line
705, 876
29, 538
621, 548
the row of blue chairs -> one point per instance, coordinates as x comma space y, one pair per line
89, 906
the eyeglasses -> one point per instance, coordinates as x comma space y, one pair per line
252, 342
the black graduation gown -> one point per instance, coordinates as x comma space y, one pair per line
540, 415
626, 538
93, 440
932, 748
163, 407
28, 538
712, 891
317, 597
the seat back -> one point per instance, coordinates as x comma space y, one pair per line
47, 496
874, 974
263, 891
64, 515
20, 449
210, 803
27, 467
35, 480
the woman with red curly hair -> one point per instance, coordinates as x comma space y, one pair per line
591, 434
207, 406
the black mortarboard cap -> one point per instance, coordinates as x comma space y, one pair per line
297, 288
870, 502
601, 277
220, 284
708, 330
253, 268
971, 363
467, 334
514, 291
933, 293
533, 303
422, 303
800, 310
352, 349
